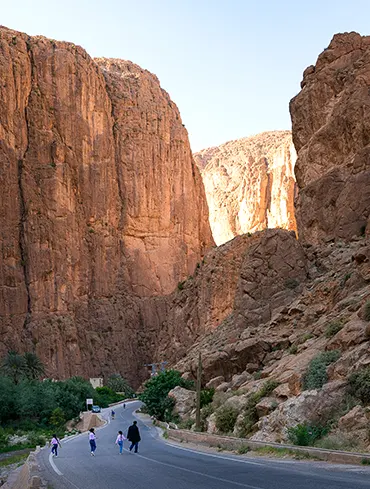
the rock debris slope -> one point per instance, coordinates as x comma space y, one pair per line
101, 204
249, 184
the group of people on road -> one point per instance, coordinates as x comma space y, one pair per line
133, 435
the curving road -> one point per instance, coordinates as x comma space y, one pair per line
160, 465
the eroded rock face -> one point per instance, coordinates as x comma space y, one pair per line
331, 133
235, 290
100, 204
249, 184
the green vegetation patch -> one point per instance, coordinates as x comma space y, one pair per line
225, 419
359, 385
155, 394
316, 375
14, 459
333, 328
305, 434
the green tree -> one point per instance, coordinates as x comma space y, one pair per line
156, 391
57, 419
14, 366
118, 384
7, 393
34, 368
72, 396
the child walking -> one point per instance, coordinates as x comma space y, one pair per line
54, 445
119, 441
92, 441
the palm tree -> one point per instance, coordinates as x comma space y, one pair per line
14, 366
34, 367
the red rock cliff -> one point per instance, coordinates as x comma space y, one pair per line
100, 202
331, 133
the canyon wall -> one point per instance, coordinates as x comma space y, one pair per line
101, 204
331, 133
249, 184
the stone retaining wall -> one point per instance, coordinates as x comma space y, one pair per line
231, 443
27, 476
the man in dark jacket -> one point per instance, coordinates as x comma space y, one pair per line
133, 435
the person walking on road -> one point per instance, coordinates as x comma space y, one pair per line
133, 435
54, 445
92, 441
119, 441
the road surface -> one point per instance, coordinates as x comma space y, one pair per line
160, 465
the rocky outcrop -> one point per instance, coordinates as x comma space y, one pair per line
184, 401
314, 407
236, 288
100, 204
249, 184
331, 133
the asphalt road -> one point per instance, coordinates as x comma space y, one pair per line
160, 465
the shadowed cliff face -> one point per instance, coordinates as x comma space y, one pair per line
100, 203
249, 184
331, 133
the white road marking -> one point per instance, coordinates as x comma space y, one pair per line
54, 467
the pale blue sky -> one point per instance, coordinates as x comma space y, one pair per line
230, 65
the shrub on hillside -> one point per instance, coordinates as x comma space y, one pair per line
333, 328
206, 396
359, 385
305, 435
226, 419
316, 375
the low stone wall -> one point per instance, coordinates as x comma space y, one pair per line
231, 443
27, 476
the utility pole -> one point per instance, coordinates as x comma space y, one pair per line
199, 385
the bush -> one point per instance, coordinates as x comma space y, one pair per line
316, 375
359, 385
226, 419
293, 349
105, 396
206, 396
155, 394
333, 328
305, 435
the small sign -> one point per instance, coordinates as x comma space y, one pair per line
89, 401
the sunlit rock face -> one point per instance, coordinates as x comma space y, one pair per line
101, 204
249, 184
331, 133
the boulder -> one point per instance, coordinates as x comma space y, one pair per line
215, 382
184, 401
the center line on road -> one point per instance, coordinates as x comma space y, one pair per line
177, 467
54, 467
